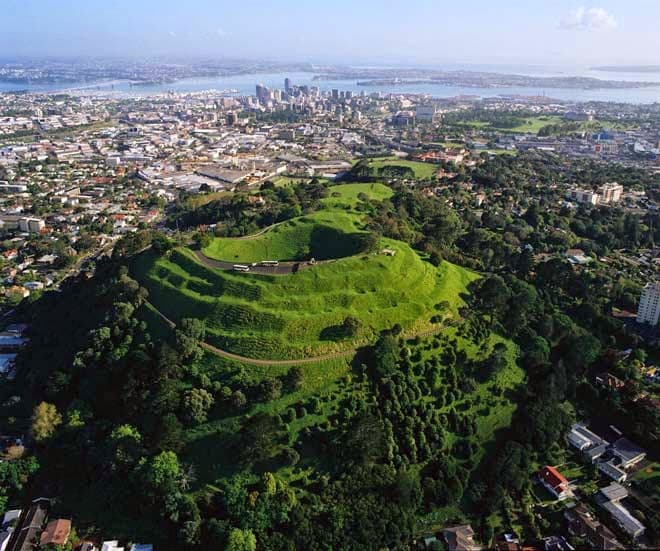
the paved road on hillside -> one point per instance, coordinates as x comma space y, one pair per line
302, 361
284, 268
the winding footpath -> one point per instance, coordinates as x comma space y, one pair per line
264, 363
254, 361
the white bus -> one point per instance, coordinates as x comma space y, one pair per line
268, 263
241, 268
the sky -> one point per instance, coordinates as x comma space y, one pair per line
422, 32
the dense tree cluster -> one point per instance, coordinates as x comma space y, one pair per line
238, 214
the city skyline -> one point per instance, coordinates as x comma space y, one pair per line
566, 33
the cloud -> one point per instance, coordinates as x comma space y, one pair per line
220, 32
588, 19
172, 33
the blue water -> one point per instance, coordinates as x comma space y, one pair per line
245, 85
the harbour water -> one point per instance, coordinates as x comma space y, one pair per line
245, 85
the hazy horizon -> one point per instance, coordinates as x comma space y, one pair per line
415, 32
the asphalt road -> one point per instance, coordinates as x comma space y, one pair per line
284, 268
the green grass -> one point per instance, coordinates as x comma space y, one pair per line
320, 235
301, 315
278, 317
329, 233
501, 151
423, 171
346, 195
647, 480
531, 125
286, 181
208, 445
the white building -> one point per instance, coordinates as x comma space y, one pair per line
610, 193
31, 225
649, 304
426, 113
583, 196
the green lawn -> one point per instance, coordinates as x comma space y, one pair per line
302, 314
647, 480
531, 125
346, 195
423, 171
501, 151
329, 233
277, 317
320, 235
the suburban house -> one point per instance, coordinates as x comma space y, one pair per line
613, 460
56, 532
583, 524
29, 526
609, 469
629, 453
460, 538
555, 482
610, 498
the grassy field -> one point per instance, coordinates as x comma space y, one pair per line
345, 196
302, 314
501, 151
321, 235
422, 171
329, 233
647, 480
286, 181
202, 199
531, 125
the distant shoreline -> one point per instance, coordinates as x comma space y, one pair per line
628, 68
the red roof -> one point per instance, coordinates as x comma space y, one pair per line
553, 477
56, 532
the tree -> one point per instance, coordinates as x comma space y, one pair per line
493, 295
537, 352
45, 420
259, 437
351, 326
202, 239
13, 476
241, 540
163, 471
238, 399
386, 355
196, 403
188, 337
271, 388
125, 441
369, 242
296, 377
170, 434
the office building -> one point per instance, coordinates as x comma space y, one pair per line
583, 196
648, 310
610, 193
425, 113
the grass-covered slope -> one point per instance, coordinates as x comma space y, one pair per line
321, 235
421, 170
303, 314
333, 232
294, 316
